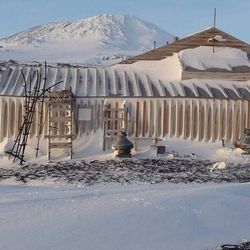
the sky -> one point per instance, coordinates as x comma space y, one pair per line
178, 17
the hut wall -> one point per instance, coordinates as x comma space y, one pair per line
187, 118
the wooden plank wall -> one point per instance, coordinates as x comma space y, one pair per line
233, 76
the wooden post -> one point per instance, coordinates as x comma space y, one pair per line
136, 125
143, 119
248, 115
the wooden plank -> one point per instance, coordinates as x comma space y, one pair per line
61, 145
215, 75
114, 109
61, 119
61, 101
248, 115
61, 109
61, 94
58, 136
143, 119
112, 119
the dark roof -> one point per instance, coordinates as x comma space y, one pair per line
203, 38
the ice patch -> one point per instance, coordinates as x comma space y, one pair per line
218, 165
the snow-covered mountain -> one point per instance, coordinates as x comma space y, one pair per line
92, 40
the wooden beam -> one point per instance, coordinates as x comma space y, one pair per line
61, 145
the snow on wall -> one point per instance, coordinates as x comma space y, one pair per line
195, 109
119, 82
176, 117
169, 68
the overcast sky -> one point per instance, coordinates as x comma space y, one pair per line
178, 17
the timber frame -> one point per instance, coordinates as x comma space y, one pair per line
60, 132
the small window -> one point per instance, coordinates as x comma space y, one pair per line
84, 114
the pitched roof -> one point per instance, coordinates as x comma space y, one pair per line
203, 38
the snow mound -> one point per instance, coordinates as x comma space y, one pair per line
168, 68
203, 58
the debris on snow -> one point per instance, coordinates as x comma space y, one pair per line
130, 171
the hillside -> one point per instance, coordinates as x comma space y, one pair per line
102, 39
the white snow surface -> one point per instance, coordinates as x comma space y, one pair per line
168, 69
44, 215
135, 217
99, 39
90, 148
203, 58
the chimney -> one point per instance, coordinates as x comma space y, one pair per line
154, 45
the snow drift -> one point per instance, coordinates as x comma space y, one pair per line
203, 58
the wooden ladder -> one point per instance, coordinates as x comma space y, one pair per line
31, 98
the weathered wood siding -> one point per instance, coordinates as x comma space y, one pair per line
232, 76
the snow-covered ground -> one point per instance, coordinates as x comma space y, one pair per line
164, 216
135, 216
45, 215
169, 216
90, 148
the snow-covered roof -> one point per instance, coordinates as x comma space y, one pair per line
209, 37
204, 58
100, 82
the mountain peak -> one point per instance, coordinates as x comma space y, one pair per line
102, 32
